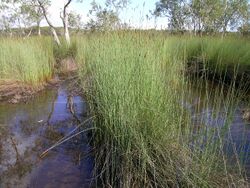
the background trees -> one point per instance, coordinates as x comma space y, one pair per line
106, 17
33, 13
9, 15
64, 15
175, 10
27, 13
204, 15
24, 17
75, 21
44, 4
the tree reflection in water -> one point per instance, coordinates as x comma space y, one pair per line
26, 130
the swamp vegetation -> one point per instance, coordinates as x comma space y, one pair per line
166, 109
136, 88
29, 61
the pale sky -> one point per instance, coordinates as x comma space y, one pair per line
135, 14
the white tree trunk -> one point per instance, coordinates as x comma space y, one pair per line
56, 38
66, 22
52, 28
29, 33
66, 30
38, 29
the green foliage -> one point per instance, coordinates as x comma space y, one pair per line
30, 61
175, 10
204, 15
102, 18
143, 135
222, 57
75, 20
32, 11
64, 51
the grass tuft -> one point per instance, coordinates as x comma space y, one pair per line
29, 61
144, 134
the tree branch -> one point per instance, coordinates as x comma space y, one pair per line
65, 7
45, 13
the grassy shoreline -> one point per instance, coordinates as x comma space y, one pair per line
26, 65
32, 61
135, 86
224, 59
26, 60
29, 65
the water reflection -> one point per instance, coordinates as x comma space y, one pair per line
26, 130
219, 110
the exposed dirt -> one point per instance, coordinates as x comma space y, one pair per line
14, 91
67, 66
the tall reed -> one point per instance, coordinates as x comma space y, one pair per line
26, 60
144, 134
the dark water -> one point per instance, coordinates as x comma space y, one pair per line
219, 111
26, 130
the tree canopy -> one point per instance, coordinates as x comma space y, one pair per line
204, 15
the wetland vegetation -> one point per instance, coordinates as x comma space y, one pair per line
138, 91
29, 61
144, 92
113, 106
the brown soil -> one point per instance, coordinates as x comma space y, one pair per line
74, 85
67, 66
13, 91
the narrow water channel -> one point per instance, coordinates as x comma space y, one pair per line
26, 130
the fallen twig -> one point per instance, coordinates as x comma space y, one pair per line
68, 137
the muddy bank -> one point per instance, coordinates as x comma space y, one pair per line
14, 91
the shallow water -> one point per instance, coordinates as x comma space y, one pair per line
26, 130
217, 110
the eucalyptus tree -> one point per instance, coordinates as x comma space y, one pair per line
64, 15
196, 14
102, 18
75, 21
245, 27
106, 17
233, 13
175, 10
44, 5
19, 13
117, 5
65, 19
33, 12
10, 15
6, 24
206, 15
